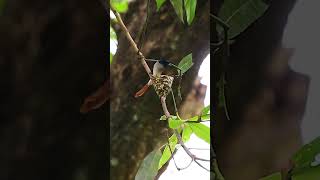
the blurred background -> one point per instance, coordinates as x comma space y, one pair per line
52, 56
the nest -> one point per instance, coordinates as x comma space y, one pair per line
162, 85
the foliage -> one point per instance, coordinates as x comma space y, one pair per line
166, 154
182, 7
113, 38
306, 161
239, 14
120, 6
201, 130
159, 3
149, 167
186, 63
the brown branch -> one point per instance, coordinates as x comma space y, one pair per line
133, 44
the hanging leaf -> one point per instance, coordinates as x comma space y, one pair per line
190, 6
275, 176
201, 130
239, 14
166, 154
149, 166
205, 110
186, 133
120, 6
113, 34
177, 5
186, 63
111, 57
159, 3
174, 122
312, 173
306, 155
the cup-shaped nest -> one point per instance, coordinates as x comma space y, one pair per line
162, 85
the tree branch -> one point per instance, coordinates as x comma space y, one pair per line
133, 44
162, 99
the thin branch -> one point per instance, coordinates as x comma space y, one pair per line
133, 44
226, 54
201, 165
172, 152
174, 103
144, 28
220, 21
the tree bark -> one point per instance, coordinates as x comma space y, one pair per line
265, 100
52, 56
135, 129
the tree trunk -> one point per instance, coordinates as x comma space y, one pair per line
134, 122
51, 58
265, 100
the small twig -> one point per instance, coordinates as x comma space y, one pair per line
226, 52
144, 28
172, 152
174, 103
220, 21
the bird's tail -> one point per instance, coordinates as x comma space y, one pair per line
142, 90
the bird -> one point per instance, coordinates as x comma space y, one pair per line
158, 68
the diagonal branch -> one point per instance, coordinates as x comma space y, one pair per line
133, 44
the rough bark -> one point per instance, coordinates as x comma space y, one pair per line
134, 123
51, 58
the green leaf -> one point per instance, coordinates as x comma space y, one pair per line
275, 176
306, 154
201, 130
190, 6
239, 14
111, 57
149, 166
120, 6
186, 133
163, 118
166, 154
197, 118
113, 34
205, 110
174, 122
177, 5
160, 3
186, 63
308, 174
